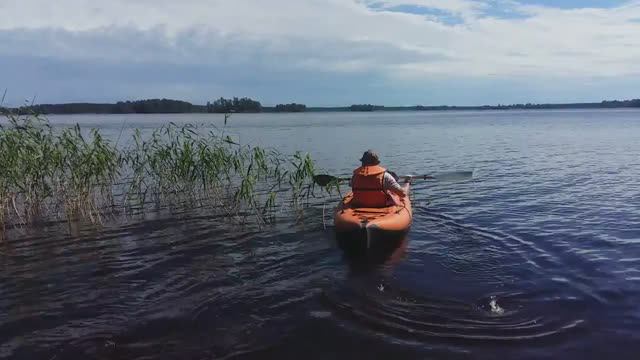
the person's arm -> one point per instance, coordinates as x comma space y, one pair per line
392, 185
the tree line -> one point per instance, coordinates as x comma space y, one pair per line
248, 105
634, 103
150, 106
365, 107
243, 105
157, 106
293, 107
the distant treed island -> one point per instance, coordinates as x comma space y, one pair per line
248, 105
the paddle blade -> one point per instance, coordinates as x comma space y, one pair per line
454, 176
324, 180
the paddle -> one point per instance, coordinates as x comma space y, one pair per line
445, 176
324, 179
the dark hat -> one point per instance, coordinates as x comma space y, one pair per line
370, 158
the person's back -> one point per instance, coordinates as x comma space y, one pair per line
371, 184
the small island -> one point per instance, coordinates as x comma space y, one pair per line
293, 107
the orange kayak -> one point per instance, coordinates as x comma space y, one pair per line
373, 222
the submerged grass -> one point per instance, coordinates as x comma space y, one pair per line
68, 173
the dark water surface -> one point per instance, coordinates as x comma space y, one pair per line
537, 258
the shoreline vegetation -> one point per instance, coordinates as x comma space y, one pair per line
247, 105
76, 174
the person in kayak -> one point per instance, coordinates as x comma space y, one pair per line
373, 186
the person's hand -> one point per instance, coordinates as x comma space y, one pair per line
407, 179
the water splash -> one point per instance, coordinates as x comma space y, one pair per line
495, 308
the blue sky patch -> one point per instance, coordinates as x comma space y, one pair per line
497, 9
441, 15
576, 4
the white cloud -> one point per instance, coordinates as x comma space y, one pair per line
332, 35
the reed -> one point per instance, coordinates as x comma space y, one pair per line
68, 173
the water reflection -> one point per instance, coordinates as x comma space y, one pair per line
384, 253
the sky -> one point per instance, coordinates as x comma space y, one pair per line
320, 52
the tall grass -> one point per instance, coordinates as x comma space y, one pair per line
62, 173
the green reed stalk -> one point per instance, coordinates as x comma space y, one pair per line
84, 176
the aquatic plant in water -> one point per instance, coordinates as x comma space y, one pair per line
72, 174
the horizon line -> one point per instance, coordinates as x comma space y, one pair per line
33, 103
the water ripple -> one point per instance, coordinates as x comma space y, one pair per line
537, 257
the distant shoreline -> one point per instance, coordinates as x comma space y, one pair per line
245, 105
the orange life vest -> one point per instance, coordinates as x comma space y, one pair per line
367, 185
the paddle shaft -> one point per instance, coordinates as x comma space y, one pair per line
401, 177
423, 177
324, 180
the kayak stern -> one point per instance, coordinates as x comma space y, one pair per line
370, 225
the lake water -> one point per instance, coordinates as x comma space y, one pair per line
538, 257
